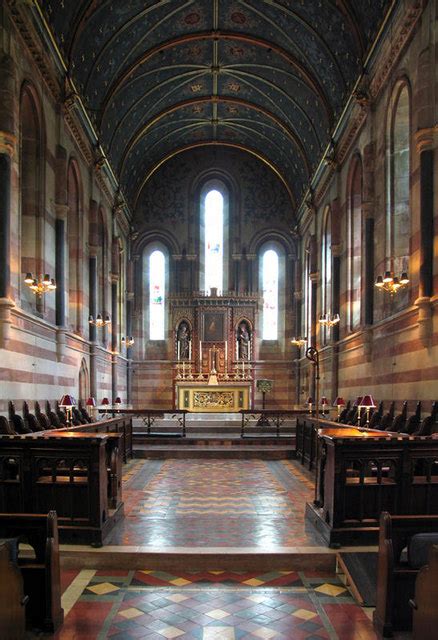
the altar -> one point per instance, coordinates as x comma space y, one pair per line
214, 351
222, 398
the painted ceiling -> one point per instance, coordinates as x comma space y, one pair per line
160, 77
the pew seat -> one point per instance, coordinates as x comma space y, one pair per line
12, 598
397, 571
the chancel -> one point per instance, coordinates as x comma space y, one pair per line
218, 319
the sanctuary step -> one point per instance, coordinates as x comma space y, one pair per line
261, 448
213, 435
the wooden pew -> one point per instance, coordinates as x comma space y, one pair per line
41, 573
425, 614
75, 473
396, 576
362, 473
12, 598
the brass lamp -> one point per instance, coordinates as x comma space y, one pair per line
358, 404
310, 403
339, 402
91, 404
68, 402
324, 404
368, 403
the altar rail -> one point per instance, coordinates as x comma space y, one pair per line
77, 474
362, 473
267, 418
149, 416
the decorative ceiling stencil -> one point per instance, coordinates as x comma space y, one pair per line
271, 77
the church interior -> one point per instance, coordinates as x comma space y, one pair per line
218, 319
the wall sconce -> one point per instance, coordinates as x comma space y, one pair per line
391, 283
127, 342
99, 322
40, 285
328, 320
298, 342
68, 402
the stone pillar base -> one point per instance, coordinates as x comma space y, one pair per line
6, 306
60, 344
424, 320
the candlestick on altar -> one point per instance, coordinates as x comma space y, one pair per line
237, 349
226, 357
178, 349
190, 349
200, 357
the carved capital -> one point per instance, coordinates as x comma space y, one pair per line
424, 139
7, 143
337, 249
61, 211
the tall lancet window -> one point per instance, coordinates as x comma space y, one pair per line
214, 240
157, 279
270, 274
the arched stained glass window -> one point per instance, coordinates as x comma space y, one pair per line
157, 278
270, 275
397, 180
214, 240
326, 265
355, 244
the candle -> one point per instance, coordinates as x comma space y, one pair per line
190, 349
226, 357
178, 349
200, 356
237, 349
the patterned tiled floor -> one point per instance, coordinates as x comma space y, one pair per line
237, 503
213, 606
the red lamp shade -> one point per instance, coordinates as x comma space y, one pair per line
105, 401
118, 400
339, 402
91, 402
309, 400
67, 401
368, 401
358, 401
324, 400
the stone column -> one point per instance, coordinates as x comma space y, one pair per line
7, 148
424, 140
252, 277
114, 336
336, 294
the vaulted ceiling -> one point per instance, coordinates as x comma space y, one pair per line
160, 77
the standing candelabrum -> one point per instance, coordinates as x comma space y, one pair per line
312, 354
